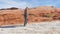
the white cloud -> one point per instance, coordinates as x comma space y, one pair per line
32, 3
11, 3
8, 1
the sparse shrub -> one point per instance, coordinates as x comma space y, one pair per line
47, 15
32, 15
12, 8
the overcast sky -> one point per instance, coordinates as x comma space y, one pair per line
29, 3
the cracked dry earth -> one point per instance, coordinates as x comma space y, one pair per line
52, 27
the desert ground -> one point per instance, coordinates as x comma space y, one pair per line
52, 27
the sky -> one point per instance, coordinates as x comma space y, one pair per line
28, 3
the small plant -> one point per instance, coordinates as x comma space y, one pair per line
31, 14
47, 15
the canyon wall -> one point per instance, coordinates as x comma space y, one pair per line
43, 13
37, 14
11, 17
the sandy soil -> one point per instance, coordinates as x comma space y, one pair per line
52, 27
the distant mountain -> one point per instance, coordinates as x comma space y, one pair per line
12, 8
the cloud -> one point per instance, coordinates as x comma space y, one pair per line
8, 1
11, 3
29, 3
34, 3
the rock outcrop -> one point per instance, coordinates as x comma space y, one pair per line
37, 14
11, 17
43, 13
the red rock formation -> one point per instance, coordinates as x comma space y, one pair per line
43, 13
8, 17
57, 14
38, 14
